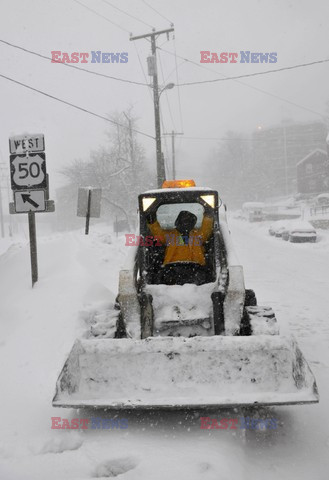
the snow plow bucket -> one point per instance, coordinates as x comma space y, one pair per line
177, 372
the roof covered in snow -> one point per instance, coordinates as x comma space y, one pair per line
187, 189
311, 154
301, 226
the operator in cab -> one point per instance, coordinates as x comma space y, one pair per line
184, 253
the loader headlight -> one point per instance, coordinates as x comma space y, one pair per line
210, 199
147, 202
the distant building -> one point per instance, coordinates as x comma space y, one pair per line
313, 172
276, 152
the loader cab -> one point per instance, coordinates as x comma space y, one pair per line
167, 203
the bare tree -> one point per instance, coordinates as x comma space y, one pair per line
118, 168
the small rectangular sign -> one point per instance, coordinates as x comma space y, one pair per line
95, 202
27, 143
30, 201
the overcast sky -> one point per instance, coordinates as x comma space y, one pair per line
296, 29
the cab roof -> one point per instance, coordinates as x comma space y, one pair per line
185, 189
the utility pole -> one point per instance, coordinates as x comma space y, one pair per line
131, 145
173, 156
285, 158
161, 174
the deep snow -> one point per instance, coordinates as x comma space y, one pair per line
78, 279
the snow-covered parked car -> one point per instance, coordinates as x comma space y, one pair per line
286, 231
322, 199
278, 227
299, 231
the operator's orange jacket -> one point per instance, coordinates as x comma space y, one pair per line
177, 250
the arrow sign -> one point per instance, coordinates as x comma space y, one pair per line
26, 197
30, 201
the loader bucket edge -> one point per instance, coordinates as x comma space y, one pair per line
177, 372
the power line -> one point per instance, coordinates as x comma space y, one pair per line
171, 73
74, 106
73, 66
257, 140
124, 126
247, 85
217, 138
126, 13
166, 93
156, 11
256, 73
184, 59
166, 146
142, 68
102, 16
178, 89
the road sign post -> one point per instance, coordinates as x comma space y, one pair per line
33, 248
29, 182
88, 212
89, 204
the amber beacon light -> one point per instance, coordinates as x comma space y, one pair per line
178, 183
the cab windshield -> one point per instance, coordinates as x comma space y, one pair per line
167, 213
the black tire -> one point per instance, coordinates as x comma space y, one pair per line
245, 327
121, 328
218, 309
250, 299
261, 320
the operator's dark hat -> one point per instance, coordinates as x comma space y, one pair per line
185, 221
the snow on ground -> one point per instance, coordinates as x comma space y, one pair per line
6, 243
78, 275
293, 279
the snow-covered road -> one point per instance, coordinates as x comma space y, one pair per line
294, 280
78, 275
